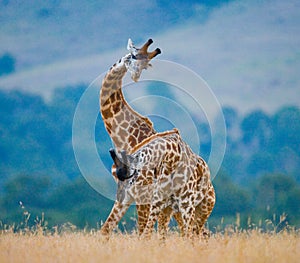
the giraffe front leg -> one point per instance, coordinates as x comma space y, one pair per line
114, 217
143, 214
163, 222
154, 212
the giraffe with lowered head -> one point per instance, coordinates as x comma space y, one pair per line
180, 180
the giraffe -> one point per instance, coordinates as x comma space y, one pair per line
163, 171
125, 126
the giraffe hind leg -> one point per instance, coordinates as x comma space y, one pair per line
188, 218
187, 209
179, 221
163, 222
203, 211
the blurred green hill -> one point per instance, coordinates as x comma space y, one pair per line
259, 177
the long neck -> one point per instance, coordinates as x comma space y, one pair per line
111, 90
125, 126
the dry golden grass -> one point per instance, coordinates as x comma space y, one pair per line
251, 246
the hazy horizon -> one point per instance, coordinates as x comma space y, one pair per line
247, 51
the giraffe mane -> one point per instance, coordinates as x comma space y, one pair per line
153, 137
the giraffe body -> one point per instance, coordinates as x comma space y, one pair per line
165, 173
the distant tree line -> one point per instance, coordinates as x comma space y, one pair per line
259, 178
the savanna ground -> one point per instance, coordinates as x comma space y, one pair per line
231, 245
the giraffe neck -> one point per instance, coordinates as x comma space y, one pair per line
112, 84
125, 126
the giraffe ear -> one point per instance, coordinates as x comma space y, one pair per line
112, 154
115, 157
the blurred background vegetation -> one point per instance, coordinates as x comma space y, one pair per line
259, 177
247, 51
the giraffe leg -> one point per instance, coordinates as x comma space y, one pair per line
153, 216
203, 211
114, 217
163, 222
164, 219
187, 209
188, 218
179, 221
143, 214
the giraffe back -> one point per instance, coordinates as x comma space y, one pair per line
164, 161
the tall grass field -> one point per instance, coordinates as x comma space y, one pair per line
89, 246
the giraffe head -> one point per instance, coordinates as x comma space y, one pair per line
139, 58
122, 163
127, 177
123, 172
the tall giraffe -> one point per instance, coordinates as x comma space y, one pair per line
125, 126
179, 179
